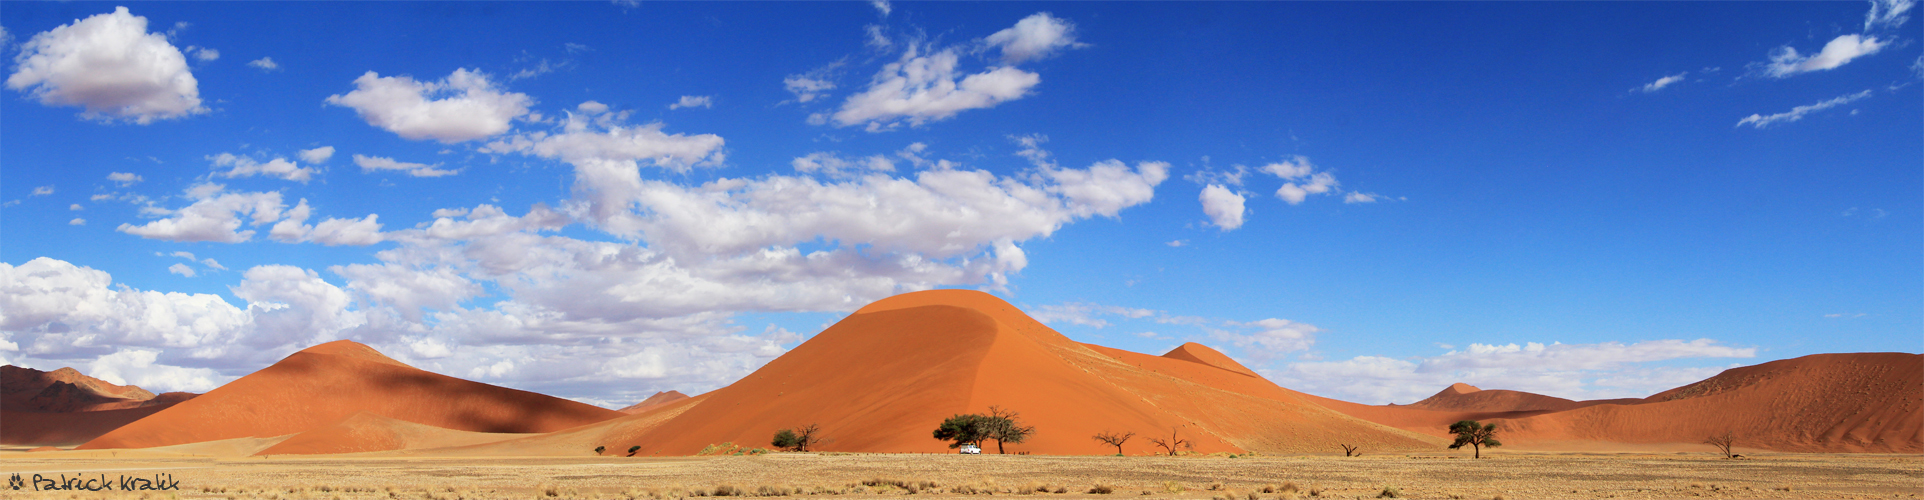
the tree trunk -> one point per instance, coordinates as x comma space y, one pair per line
1478, 449
998, 448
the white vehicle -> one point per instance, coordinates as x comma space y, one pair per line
969, 449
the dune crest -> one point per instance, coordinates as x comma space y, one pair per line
660, 398
328, 383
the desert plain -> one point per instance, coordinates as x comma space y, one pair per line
341, 420
1523, 475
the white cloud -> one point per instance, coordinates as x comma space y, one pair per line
835, 166
76, 207
881, 6
264, 64
462, 107
814, 84
1797, 113
1304, 180
181, 269
111, 66
138, 367
1032, 149
1888, 13
693, 101
918, 89
241, 166
1224, 207
1272, 337
77, 222
1085, 314
124, 178
318, 155
210, 263
1664, 82
1178, 243
41, 191
1034, 37
1841, 50
377, 163
1358, 197
212, 217
204, 54
1574, 371
330, 232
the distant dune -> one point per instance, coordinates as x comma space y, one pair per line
883, 378
367, 432
660, 398
1856, 402
328, 383
65, 407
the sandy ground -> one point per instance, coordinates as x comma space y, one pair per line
1512, 476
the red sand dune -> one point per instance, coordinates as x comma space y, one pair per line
883, 378
330, 382
65, 408
1466, 397
366, 432
1855, 402
660, 398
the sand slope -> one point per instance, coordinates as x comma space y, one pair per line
330, 382
660, 398
883, 378
368, 432
65, 407
1466, 397
1853, 402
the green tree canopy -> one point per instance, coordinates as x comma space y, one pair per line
1475, 434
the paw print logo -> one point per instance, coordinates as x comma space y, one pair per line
16, 483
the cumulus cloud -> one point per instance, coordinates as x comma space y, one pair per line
109, 65
330, 232
1085, 314
76, 221
377, 163
814, 84
1786, 61
241, 166
1358, 197
203, 54
462, 107
124, 178
1303, 179
881, 6
264, 64
1270, 338
1034, 37
1664, 82
1798, 113
318, 155
830, 164
1224, 207
181, 269
213, 216
41, 191
922, 88
1575, 371
693, 101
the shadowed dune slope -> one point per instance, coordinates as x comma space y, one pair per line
660, 398
1854, 402
882, 379
367, 432
68, 390
330, 382
65, 429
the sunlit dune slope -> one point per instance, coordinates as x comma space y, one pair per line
1465, 397
367, 432
1853, 402
886, 376
660, 398
328, 383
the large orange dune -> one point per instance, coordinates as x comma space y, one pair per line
882, 380
328, 383
1854, 402
1466, 397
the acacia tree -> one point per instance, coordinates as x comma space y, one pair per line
633, 449
961, 429
799, 439
1722, 442
1350, 451
1175, 441
1477, 435
1004, 428
1113, 439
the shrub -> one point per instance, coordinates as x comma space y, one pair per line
633, 449
1102, 489
1390, 492
599, 449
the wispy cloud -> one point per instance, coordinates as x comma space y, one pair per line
1798, 113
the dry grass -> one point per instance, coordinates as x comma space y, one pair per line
1547, 476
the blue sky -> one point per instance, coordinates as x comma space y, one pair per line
602, 200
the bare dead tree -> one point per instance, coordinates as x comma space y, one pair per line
1113, 439
1350, 451
1722, 442
1175, 441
